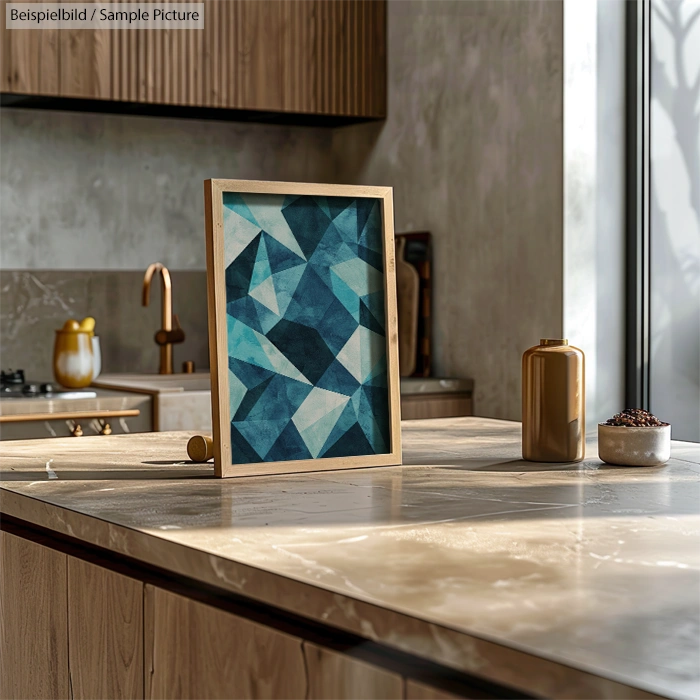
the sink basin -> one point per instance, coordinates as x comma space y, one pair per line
180, 401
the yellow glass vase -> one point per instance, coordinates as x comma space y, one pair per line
72, 356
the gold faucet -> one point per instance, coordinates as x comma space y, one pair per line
166, 336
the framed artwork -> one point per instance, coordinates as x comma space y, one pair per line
303, 335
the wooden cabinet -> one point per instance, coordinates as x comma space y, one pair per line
334, 676
33, 620
105, 632
316, 57
420, 691
68, 629
447, 405
72, 629
197, 651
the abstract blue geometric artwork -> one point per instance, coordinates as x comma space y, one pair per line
307, 356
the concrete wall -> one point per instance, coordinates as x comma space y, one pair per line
97, 191
473, 148
34, 303
89, 200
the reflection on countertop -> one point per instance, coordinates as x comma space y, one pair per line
558, 580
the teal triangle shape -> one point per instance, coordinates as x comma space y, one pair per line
261, 434
286, 283
344, 423
244, 344
347, 296
315, 435
371, 236
323, 204
251, 398
370, 427
346, 223
280, 257
261, 269
234, 202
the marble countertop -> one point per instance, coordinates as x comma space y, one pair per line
566, 581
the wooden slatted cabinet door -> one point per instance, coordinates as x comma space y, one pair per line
105, 632
5, 52
86, 63
30, 61
194, 650
303, 56
33, 621
334, 676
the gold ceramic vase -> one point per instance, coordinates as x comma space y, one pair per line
554, 413
72, 356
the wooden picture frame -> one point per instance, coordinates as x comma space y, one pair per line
278, 443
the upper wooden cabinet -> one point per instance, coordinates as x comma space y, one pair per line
313, 57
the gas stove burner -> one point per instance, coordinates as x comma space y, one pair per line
11, 378
14, 386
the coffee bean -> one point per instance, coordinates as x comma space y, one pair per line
635, 418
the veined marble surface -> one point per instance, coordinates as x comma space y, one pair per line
567, 581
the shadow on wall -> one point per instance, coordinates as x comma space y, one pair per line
675, 216
352, 149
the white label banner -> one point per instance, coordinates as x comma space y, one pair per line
103, 15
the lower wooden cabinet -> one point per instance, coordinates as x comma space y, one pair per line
72, 629
105, 632
197, 651
420, 406
68, 629
421, 691
33, 620
334, 676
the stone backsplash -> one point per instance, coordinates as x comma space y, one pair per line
34, 303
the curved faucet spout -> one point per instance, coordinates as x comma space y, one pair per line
167, 301
166, 351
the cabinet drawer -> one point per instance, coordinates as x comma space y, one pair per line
419, 406
136, 418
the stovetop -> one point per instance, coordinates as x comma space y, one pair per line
14, 386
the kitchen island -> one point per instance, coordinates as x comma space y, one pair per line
467, 572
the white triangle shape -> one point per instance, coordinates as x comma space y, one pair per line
265, 294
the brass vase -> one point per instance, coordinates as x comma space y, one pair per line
72, 356
554, 413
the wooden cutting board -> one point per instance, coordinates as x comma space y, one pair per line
408, 294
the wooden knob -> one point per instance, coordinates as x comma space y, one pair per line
200, 448
77, 431
106, 429
188, 367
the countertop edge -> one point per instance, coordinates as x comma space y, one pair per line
497, 662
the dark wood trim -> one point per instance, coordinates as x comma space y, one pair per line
72, 104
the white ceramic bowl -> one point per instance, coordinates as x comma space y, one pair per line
634, 447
